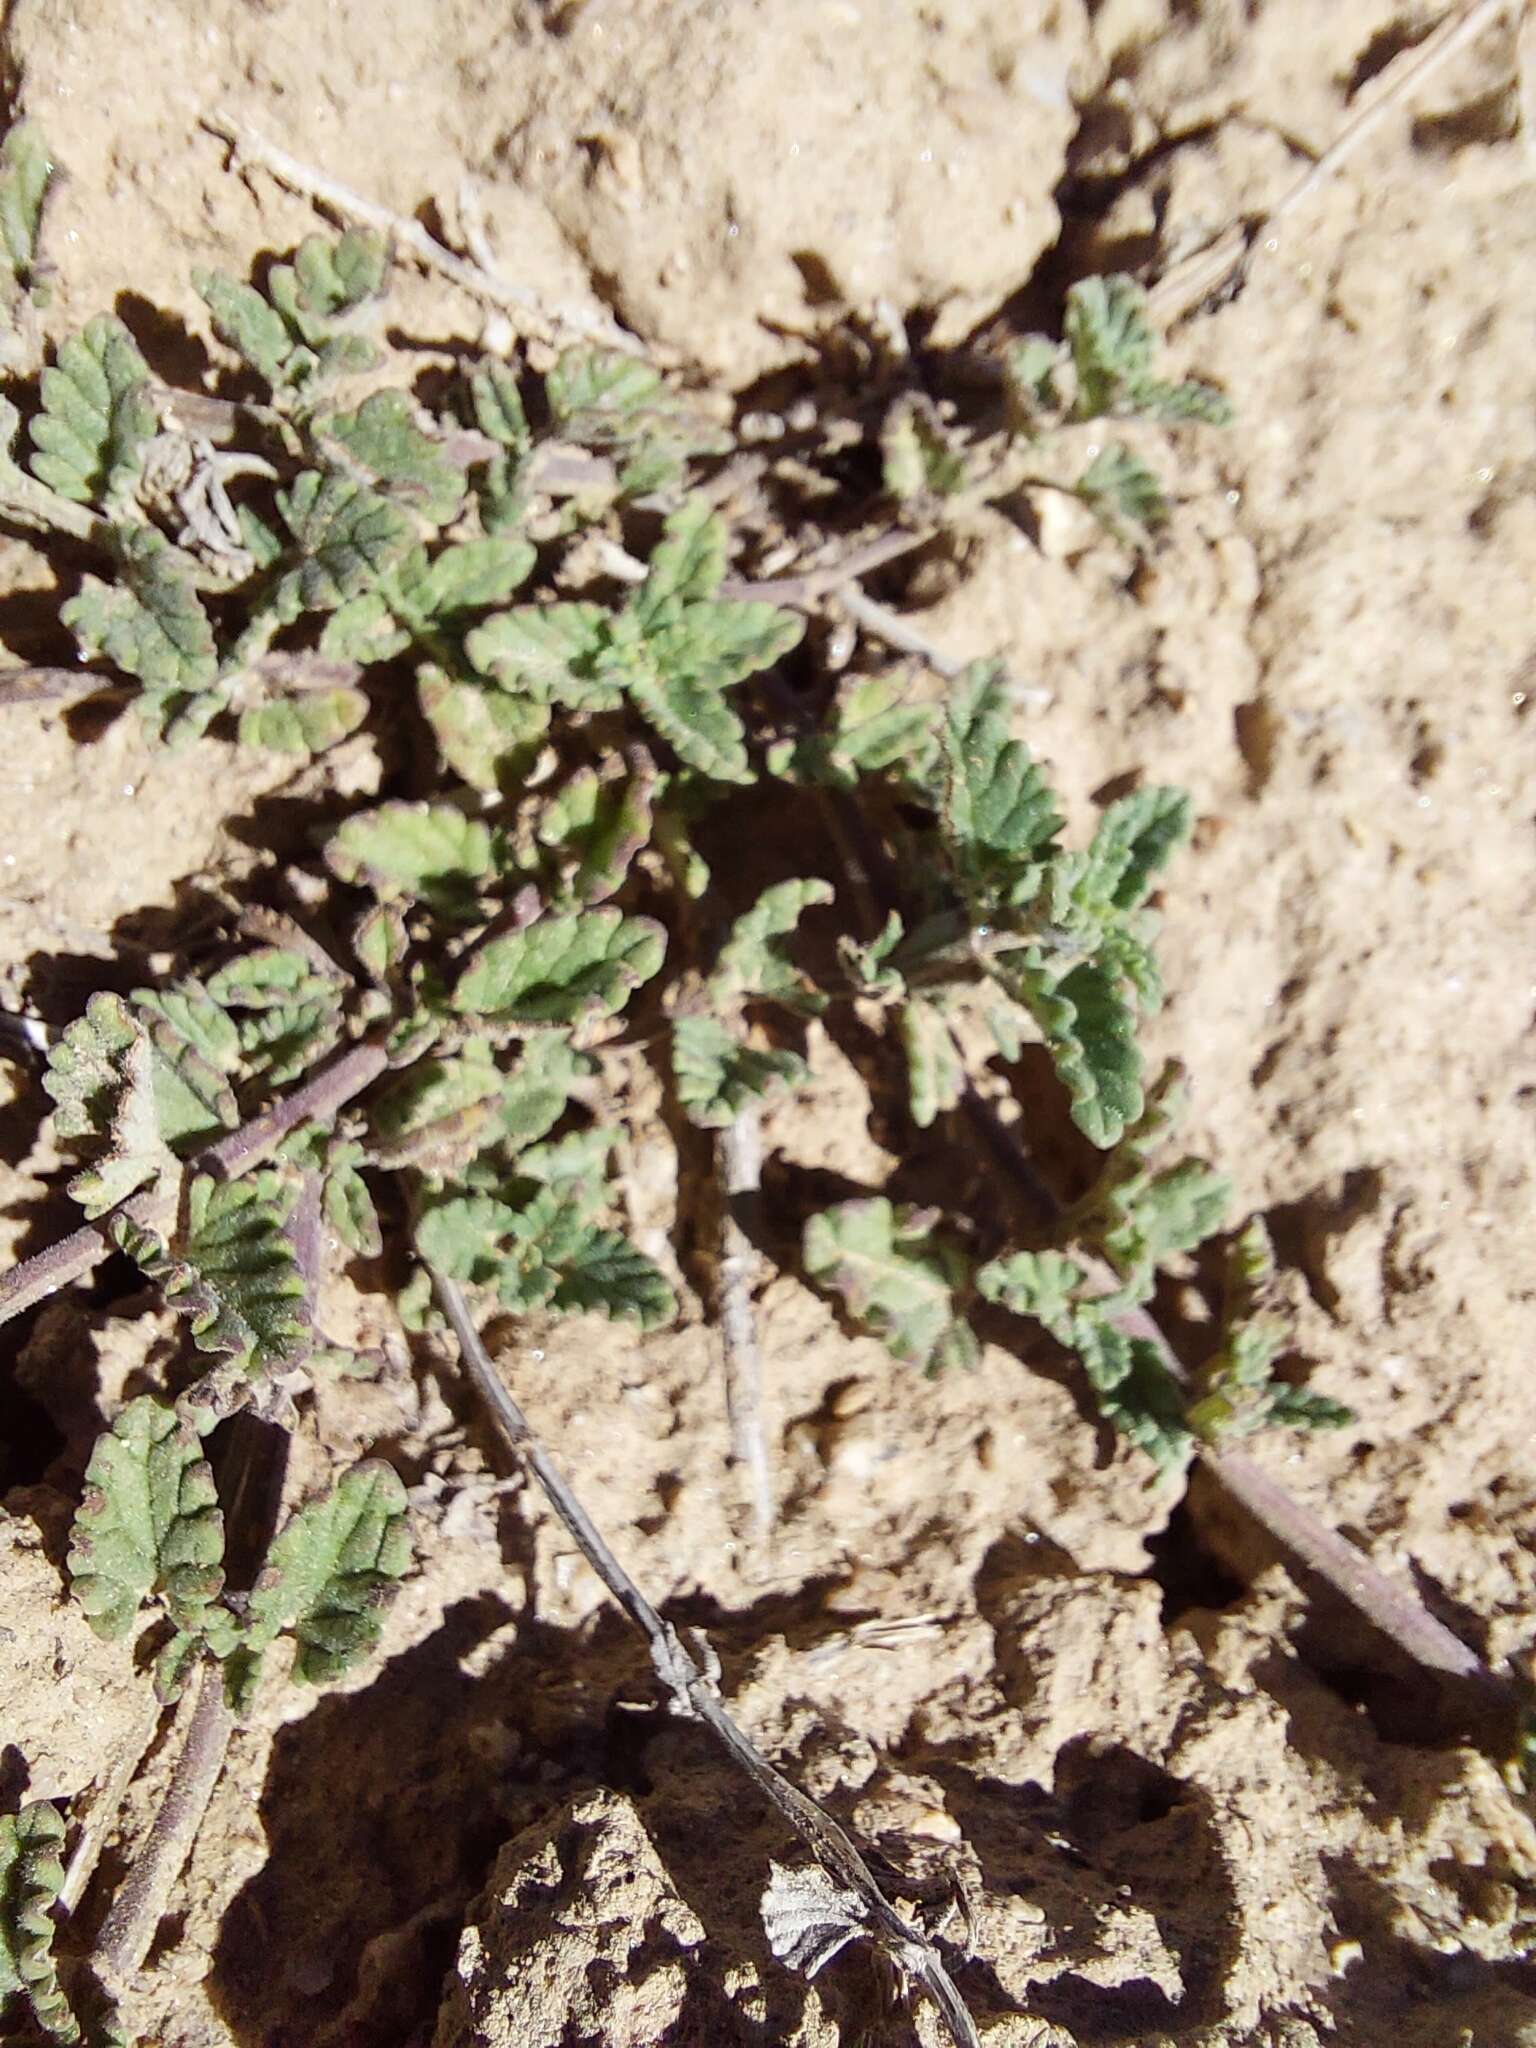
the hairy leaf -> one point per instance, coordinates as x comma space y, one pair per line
152, 623
593, 388
1043, 1285
918, 456
243, 318
233, 1273
487, 738
27, 170
97, 414
1122, 493
551, 651
498, 404
329, 278
535, 1093
307, 723
430, 853
556, 969
717, 1075
598, 823
347, 1204
1136, 1392
545, 1252
363, 629
149, 1524
606, 1275
1110, 341
999, 816
31, 1878
383, 438
877, 728
753, 962
349, 537
1091, 1032
84, 1071
695, 721
468, 577
896, 1277
1135, 838
713, 643
441, 1111
332, 1570
935, 1072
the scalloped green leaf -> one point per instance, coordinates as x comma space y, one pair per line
349, 538
152, 623
607, 1275
551, 651
27, 170
935, 1072
486, 737
149, 1525
363, 629
560, 968
234, 1273
330, 277
31, 1879
753, 962
332, 1570
430, 853
498, 405
1110, 342
384, 437
470, 576
597, 387
717, 1076
97, 415
597, 823
304, 724
1123, 493
896, 1277
998, 812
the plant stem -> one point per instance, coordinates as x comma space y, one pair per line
694, 1695
130, 1925
1388, 1606
739, 1162
884, 624
72, 1258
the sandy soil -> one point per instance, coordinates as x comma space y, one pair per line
1175, 1802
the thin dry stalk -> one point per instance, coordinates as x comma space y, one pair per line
130, 1925
882, 623
485, 286
1209, 272
739, 1163
694, 1695
79, 1254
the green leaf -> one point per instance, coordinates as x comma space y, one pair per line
896, 1277
535, 1093
878, 728
1091, 1032
440, 1106
687, 564
488, 739
598, 822
1135, 839
464, 1236
556, 969
149, 1524
919, 458
868, 965
593, 387
347, 1204
999, 815
31, 1878
697, 723
97, 415
1170, 1212
363, 629
242, 317
1110, 341
1029, 382
84, 1072
498, 404
304, 724
1137, 1393
1122, 493
349, 538
607, 1275
151, 624
429, 853
717, 1076
234, 1273
471, 576
1178, 403
27, 170
1042, 1285
329, 278
551, 651
935, 1072
136, 1153
384, 438
712, 644
332, 1570
753, 962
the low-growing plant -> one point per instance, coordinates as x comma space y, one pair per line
518, 576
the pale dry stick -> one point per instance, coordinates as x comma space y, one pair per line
883, 624
695, 1697
73, 1257
135, 1913
24, 687
811, 584
739, 1160
1209, 271
486, 287
96, 1814
1390, 1607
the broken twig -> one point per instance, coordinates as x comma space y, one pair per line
739, 1162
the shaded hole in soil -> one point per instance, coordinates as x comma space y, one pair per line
1187, 1572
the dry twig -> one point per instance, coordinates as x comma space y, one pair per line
739, 1162
694, 1695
